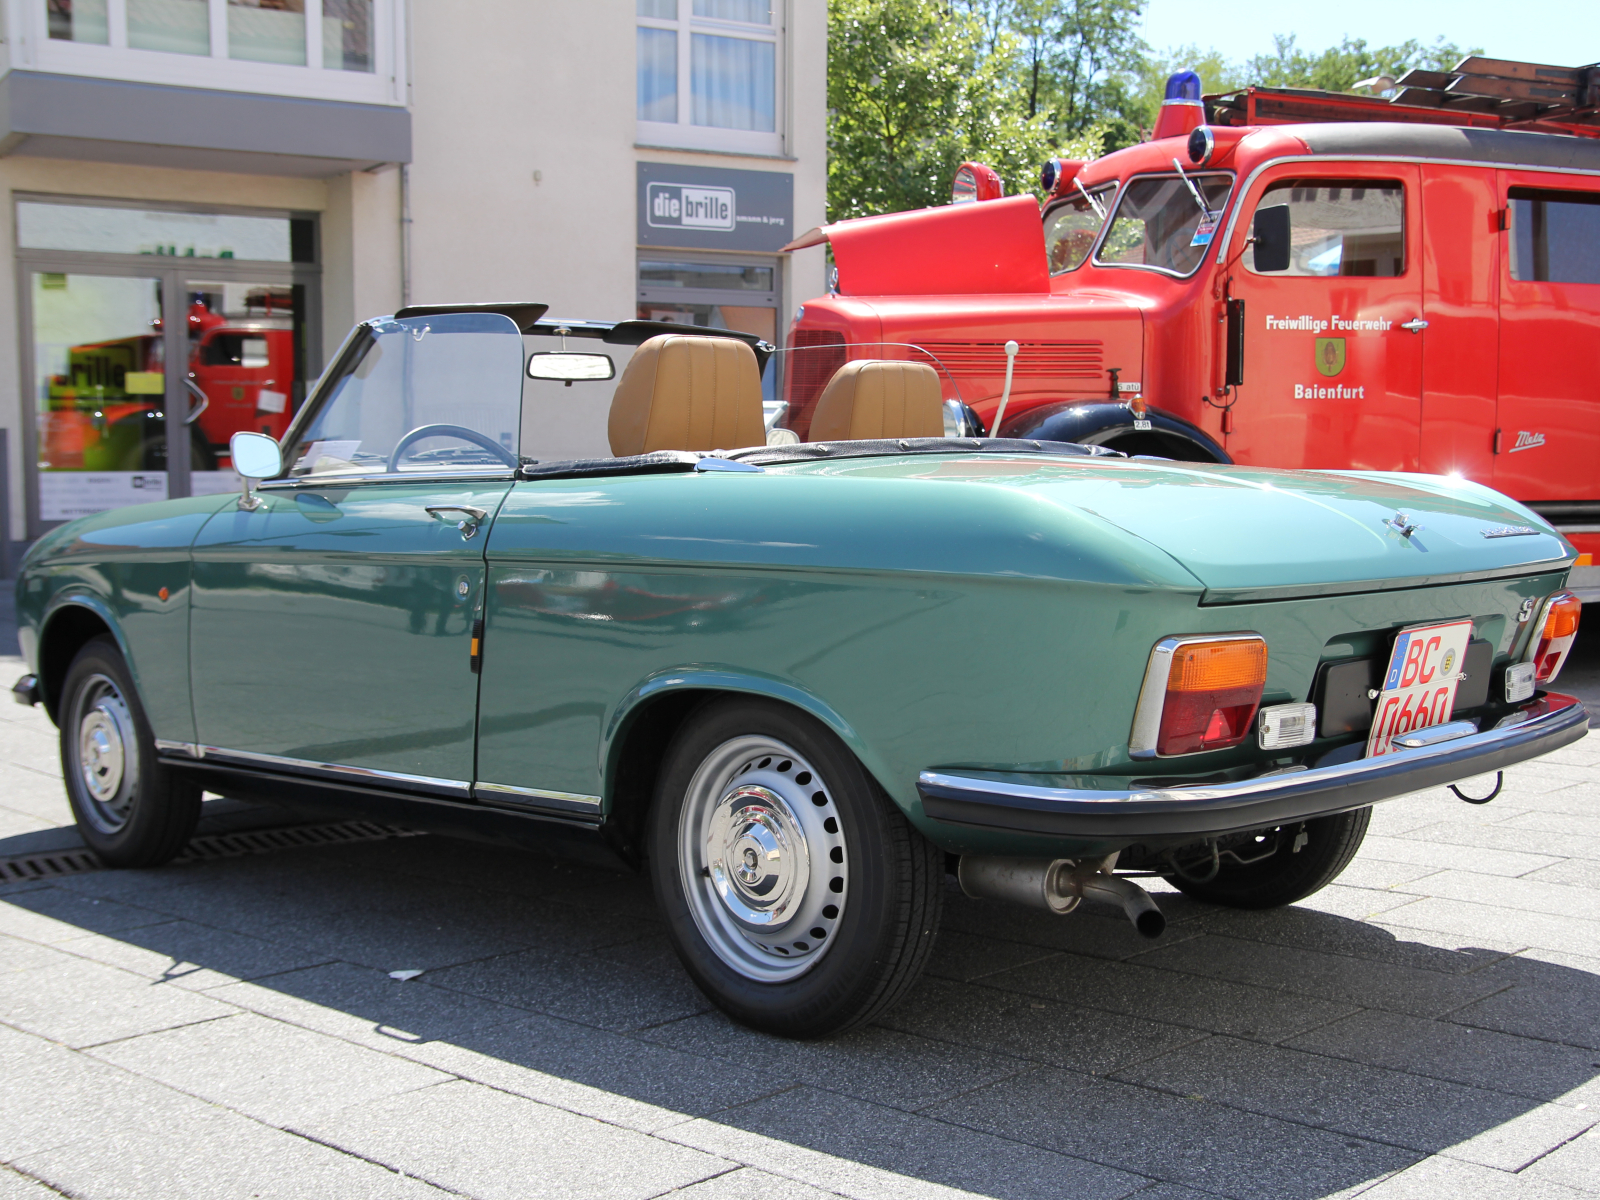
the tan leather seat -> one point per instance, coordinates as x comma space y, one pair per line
682, 392
876, 399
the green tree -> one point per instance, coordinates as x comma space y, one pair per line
1339, 68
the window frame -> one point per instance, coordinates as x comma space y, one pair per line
1291, 181
1121, 197
684, 134
32, 48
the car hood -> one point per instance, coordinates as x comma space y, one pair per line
1248, 533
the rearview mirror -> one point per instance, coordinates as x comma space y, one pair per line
558, 364
255, 456
1270, 233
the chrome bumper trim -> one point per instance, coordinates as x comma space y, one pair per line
538, 795
1545, 724
221, 756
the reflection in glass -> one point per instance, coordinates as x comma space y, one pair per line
663, 9
347, 35
1158, 223
246, 367
99, 380
271, 31
733, 82
1070, 229
1555, 236
171, 26
705, 275
1340, 227
109, 230
79, 21
753, 12
658, 74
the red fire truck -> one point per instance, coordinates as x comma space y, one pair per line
1279, 277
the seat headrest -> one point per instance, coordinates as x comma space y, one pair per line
681, 392
878, 399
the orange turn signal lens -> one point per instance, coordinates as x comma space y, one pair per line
1557, 630
1216, 666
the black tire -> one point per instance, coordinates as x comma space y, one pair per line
719, 779
132, 811
1289, 874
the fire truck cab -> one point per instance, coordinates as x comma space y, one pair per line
1295, 279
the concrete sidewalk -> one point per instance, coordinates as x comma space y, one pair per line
1429, 1026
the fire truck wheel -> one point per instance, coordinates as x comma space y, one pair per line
797, 895
1304, 858
132, 811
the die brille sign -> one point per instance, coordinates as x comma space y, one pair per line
708, 208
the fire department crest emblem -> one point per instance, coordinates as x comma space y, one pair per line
1329, 355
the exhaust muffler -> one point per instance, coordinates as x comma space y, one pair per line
1059, 886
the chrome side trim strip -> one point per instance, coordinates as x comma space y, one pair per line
187, 749
526, 793
451, 787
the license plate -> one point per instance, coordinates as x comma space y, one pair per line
1419, 688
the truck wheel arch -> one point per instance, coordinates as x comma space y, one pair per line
1101, 423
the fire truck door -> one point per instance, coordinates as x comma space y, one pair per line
1548, 415
1332, 354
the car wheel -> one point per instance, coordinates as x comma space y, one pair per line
799, 898
132, 811
1307, 858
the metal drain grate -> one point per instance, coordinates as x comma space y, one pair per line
210, 846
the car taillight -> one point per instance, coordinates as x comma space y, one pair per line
1553, 636
1200, 693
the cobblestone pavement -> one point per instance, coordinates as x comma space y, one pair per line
1429, 1026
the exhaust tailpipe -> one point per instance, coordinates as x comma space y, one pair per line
1058, 886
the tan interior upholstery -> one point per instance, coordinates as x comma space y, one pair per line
681, 392
872, 399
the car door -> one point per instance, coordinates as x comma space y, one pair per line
333, 627
1332, 346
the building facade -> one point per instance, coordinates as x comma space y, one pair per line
201, 196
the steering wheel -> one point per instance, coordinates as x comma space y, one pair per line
456, 431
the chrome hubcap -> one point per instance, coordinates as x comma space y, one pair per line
763, 858
107, 753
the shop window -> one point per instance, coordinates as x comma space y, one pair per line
170, 26
715, 294
1340, 227
708, 74
1555, 236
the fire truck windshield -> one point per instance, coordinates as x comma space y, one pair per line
1159, 223
1071, 227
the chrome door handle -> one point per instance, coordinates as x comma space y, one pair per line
471, 518
205, 402
1415, 325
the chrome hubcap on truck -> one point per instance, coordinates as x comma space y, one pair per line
107, 753
763, 858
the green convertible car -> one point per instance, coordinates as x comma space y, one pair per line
799, 683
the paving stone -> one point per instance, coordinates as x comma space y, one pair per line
266, 1069
1575, 1165
968, 956
191, 956
1353, 903
214, 1155
53, 915
923, 1148
1383, 1106
15, 1186
1440, 1177
1195, 1002
1468, 919
1193, 1142
743, 1184
1540, 999
1524, 895
1575, 872
18, 954
897, 1070
1443, 856
1525, 1139
1380, 874
1525, 1066
488, 1144
81, 1003
1090, 1041
1516, 839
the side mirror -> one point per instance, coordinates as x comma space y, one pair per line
255, 456
559, 364
1270, 234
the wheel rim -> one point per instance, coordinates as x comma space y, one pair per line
106, 754
763, 858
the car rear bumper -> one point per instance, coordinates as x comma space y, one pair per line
1139, 811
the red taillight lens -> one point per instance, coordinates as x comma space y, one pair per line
1213, 690
1558, 629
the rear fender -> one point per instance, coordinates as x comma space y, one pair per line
1104, 423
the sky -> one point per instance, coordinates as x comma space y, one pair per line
1563, 32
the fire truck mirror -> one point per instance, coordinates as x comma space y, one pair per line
1270, 235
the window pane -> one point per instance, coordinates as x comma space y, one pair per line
725, 276
347, 35
1340, 226
755, 12
146, 231
666, 10
1555, 236
658, 75
733, 83
271, 31
1158, 223
172, 26
1070, 230
79, 21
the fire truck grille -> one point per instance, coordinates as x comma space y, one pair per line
1035, 360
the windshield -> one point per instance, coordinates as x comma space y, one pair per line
420, 395
1071, 227
1159, 224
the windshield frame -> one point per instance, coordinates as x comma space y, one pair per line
1127, 187
1114, 187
